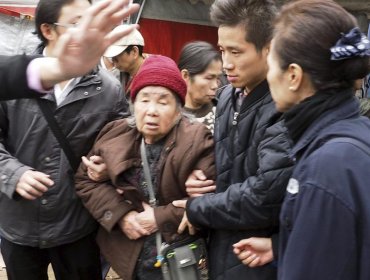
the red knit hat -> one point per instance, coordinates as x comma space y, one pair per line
158, 70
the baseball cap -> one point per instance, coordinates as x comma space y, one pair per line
133, 38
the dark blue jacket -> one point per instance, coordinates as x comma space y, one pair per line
253, 168
325, 219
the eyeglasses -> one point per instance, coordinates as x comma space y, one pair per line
66, 25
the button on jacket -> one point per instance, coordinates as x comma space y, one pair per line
27, 143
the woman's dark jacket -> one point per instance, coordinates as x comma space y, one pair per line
253, 168
325, 219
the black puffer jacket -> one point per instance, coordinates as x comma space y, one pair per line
253, 168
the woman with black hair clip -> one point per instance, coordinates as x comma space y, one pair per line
317, 53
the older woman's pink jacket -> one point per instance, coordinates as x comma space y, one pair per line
188, 146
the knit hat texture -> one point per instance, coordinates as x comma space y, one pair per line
158, 70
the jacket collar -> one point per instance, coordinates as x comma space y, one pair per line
316, 132
131, 153
256, 94
79, 91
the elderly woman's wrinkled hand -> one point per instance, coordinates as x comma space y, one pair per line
131, 227
146, 218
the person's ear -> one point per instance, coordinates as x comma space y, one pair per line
266, 50
185, 75
135, 51
295, 76
48, 31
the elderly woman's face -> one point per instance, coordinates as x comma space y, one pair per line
156, 112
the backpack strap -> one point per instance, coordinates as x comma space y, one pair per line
59, 135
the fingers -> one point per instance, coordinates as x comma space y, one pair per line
33, 184
251, 261
85, 161
242, 243
186, 224
179, 203
131, 227
27, 192
96, 168
95, 163
194, 192
199, 174
183, 225
96, 159
115, 35
120, 191
254, 251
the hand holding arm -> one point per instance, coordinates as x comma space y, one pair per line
96, 168
197, 184
184, 222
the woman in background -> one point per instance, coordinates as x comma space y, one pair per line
201, 67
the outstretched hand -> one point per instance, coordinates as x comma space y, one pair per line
80, 48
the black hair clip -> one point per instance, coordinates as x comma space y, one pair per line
352, 44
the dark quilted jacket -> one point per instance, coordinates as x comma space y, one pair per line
253, 167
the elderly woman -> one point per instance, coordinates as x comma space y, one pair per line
316, 55
174, 146
201, 67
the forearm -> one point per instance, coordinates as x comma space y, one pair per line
232, 210
168, 218
13, 77
51, 72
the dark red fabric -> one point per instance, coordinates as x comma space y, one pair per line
167, 37
158, 70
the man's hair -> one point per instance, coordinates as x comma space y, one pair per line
256, 16
130, 47
48, 11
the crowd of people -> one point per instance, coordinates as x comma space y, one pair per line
271, 166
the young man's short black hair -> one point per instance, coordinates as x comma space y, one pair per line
256, 16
